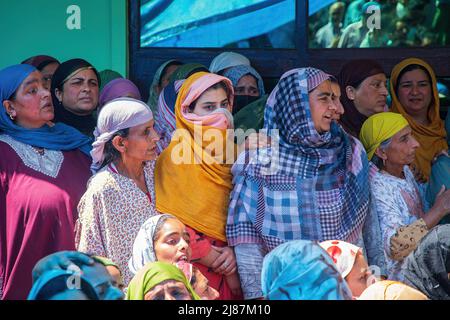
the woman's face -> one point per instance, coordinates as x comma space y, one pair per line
370, 97
357, 279
172, 244
402, 149
336, 97
101, 280
200, 284
322, 107
247, 86
116, 276
415, 92
166, 76
80, 93
168, 290
32, 106
211, 100
47, 73
140, 144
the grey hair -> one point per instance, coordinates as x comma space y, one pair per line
376, 159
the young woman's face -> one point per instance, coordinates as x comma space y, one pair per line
402, 149
172, 244
414, 91
247, 86
168, 290
80, 93
357, 279
322, 107
32, 106
200, 284
370, 96
211, 100
140, 144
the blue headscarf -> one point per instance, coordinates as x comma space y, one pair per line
57, 280
236, 73
302, 270
58, 137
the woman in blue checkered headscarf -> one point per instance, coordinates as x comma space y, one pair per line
312, 183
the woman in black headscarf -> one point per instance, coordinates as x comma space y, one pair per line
75, 95
428, 267
364, 93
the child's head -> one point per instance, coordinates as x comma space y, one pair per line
351, 263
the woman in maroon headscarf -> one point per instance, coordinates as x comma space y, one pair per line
364, 93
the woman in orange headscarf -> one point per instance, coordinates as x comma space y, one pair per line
193, 177
415, 96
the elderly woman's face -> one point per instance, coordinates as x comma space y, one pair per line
32, 105
402, 149
168, 290
370, 96
80, 93
140, 144
322, 107
414, 91
336, 97
101, 280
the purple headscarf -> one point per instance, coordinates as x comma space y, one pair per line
118, 88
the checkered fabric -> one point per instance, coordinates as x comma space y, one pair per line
312, 186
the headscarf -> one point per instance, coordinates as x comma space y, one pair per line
428, 266
143, 247
237, 72
50, 277
379, 128
391, 290
343, 254
186, 70
251, 116
119, 114
153, 94
118, 88
431, 138
165, 115
226, 60
40, 62
106, 76
65, 71
58, 137
307, 167
205, 209
106, 262
353, 73
447, 126
153, 274
302, 270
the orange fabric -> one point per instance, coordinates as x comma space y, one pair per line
432, 138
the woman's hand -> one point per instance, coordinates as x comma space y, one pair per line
443, 201
226, 262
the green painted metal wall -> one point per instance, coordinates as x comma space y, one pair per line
32, 27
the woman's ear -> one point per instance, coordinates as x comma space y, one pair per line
350, 92
381, 153
119, 143
9, 107
59, 95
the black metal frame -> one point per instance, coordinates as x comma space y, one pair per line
272, 63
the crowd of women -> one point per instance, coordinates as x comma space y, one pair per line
339, 195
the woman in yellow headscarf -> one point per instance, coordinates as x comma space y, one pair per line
193, 177
397, 213
415, 96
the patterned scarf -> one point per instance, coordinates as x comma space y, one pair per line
313, 186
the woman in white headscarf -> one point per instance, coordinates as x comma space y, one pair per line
227, 60
120, 197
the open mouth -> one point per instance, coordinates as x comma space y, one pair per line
183, 258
